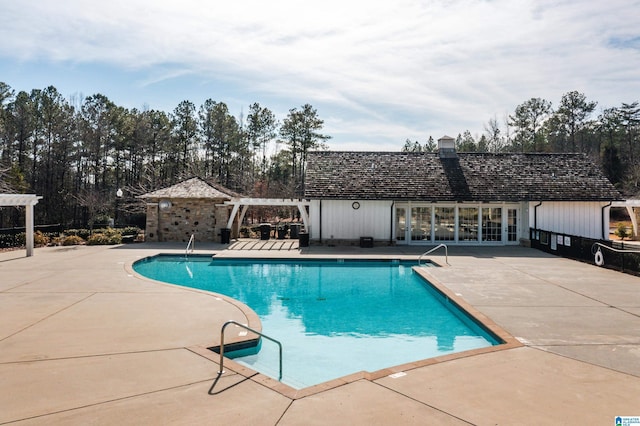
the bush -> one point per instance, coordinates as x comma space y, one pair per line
20, 239
621, 231
8, 241
82, 233
130, 230
72, 240
106, 236
53, 238
40, 239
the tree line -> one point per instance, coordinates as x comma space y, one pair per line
78, 152
610, 138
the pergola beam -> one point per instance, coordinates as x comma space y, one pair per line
629, 205
245, 203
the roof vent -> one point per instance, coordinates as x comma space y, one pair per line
447, 147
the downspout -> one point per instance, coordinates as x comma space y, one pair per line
391, 227
603, 222
320, 222
535, 218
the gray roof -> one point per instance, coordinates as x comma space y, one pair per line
190, 188
469, 177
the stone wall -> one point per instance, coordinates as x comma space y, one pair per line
185, 217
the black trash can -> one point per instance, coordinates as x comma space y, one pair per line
294, 231
282, 232
265, 231
366, 242
225, 235
303, 239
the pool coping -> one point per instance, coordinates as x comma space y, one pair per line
253, 321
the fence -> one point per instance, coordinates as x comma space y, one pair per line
581, 248
15, 237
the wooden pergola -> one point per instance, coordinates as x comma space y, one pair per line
245, 203
629, 205
28, 201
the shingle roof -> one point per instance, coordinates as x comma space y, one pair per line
190, 188
469, 177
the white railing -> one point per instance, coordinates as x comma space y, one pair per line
446, 253
190, 245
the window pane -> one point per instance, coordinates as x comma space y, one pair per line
401, 223
420, 223
445, 220
468, 224
492, 224
512, 225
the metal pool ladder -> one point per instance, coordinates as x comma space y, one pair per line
446, 253
191, 244
253, 331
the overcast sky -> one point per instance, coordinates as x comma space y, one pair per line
377, 72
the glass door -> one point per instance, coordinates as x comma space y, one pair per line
492, 224
445, 223
421, 224
512, 225
401, 225
467, 224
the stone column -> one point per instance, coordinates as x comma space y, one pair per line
151, 228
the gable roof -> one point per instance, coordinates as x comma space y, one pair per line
469, 177
190, 188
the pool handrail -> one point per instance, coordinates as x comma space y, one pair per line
191, 243
253, 331
612, 248
599, 258
446, 253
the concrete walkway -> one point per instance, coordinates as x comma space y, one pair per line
84, 340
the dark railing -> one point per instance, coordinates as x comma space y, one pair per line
624, 256
42, 228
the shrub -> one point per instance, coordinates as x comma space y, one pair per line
20, 239
72, 240
40, 239
108, 236
82, 233
8, 241
56, 241
53, 238
621, 231
130, 230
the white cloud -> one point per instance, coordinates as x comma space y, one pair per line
422, 68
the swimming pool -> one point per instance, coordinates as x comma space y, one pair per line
333, 317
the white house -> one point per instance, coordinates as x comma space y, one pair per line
418, 198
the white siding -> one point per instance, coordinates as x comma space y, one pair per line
525, 222
582, 219
342, 221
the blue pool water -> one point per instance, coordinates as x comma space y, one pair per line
333, 318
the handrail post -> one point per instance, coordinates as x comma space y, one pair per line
191, 243
221, 371
446, 253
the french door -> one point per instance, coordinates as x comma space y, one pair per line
422, 223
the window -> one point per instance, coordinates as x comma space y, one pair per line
444, 223
468, 224
492, 224
512, 225
420, 223
401, 224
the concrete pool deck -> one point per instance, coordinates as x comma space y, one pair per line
85, 341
